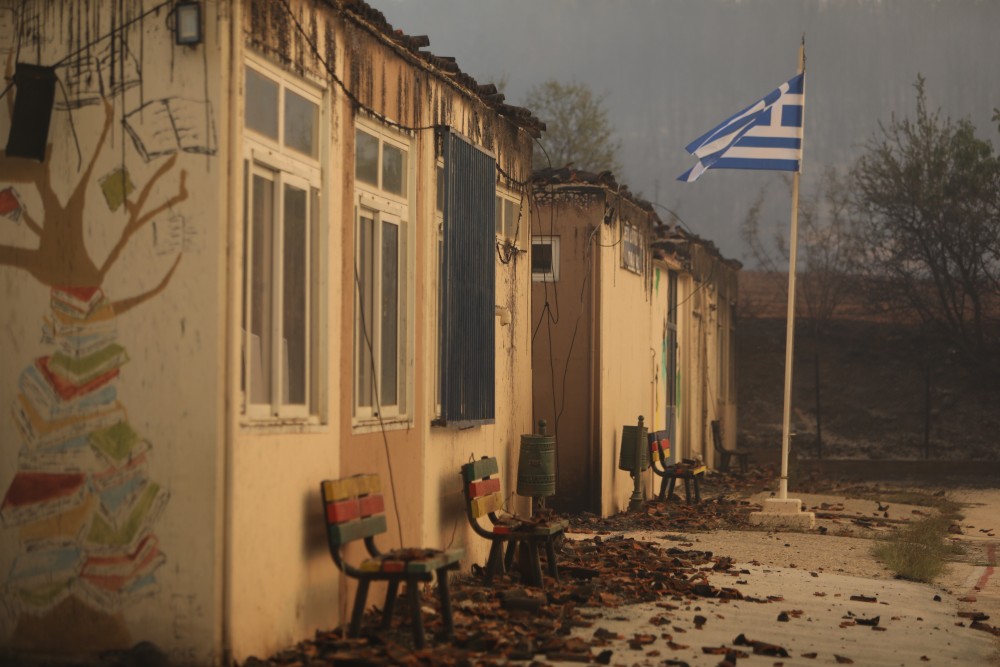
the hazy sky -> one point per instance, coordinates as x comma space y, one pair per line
672, 69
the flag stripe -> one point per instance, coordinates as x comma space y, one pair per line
756, 163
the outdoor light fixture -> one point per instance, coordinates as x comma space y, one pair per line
187, 23
29, 123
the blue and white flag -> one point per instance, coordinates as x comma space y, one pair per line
765, 135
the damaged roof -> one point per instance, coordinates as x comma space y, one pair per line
669, 239
604, 179
443, 66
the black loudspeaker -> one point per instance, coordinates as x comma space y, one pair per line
29, 126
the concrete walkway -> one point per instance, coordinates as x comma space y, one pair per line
824, 622
827, 589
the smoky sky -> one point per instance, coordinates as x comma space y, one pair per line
673, 69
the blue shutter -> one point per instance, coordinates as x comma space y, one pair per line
468, 350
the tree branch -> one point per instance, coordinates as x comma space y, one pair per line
125, 305
31, 224
81, 187
21, 258
136, 221
24, 170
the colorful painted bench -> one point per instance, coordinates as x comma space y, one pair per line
354, 509
670, 471
483, 499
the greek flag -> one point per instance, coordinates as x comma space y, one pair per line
765, 135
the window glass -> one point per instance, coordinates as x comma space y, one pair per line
393, 170
498, 216
294, 307
366, 158
510, 218
366, 234
541, 258
390, 312
301, 124
440, 189
261, 104
261, 243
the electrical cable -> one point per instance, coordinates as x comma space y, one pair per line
336, 79
378, 405
113, 32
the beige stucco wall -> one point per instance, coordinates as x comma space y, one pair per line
706, 368
276, 525
629, 361
171, 388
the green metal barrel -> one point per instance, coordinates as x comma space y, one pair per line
634, 452
536, 469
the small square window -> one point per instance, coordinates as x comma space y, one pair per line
366, 158
301, 124
261, 104
545, 258
394, 170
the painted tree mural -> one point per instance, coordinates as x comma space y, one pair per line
81, 503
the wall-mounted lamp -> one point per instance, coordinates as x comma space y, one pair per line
187, 23
29, 123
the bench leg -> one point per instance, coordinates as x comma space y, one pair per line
390, 603
533, 566
550, 555
743, 462
449, 625
687, 489
697, 490
495, 561
360, 598
724, 461
670, 487
663, 488
416, 615
508, 559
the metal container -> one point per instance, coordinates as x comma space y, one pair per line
634, 453
536, 469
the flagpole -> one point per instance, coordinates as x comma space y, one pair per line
786, 416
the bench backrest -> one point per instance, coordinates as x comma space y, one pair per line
659, 446
354, 508
717, 436
482, 489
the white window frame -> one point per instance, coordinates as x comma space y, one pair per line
511, 203
384, 206
263, 156
546, 276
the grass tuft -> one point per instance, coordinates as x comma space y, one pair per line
918, 551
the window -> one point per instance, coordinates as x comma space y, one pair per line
468, 280
545, 259
508, 218
381, 332
282, 181
633, 248
672, 378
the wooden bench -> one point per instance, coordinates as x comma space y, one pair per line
670, 471
726, 454
483, 499
354, 509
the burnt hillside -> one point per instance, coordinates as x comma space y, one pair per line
886, 392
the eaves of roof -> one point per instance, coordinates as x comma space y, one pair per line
413, 48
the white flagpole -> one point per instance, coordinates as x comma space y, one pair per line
786, 417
